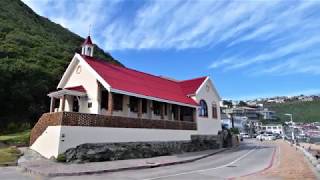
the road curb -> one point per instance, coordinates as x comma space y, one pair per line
56, 174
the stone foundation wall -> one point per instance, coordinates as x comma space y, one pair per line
120, 151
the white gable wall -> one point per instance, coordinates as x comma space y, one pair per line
208, 125
89, 82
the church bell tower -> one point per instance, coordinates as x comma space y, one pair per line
87, 47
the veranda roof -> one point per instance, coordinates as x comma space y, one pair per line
73, 91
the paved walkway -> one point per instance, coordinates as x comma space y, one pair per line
289, 163
50, 168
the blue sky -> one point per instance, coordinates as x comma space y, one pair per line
249, 48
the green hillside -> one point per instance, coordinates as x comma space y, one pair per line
302, 111
34, 52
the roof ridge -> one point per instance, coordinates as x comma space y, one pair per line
194, 78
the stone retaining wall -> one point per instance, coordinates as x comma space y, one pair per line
119, 151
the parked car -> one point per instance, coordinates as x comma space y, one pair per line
278, 136
259, 136
268, 137
244, 135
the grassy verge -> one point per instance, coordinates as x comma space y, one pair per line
9, 155
16, 139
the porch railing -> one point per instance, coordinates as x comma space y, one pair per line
96, 120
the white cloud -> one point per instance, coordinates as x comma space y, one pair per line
77, 16
309, 63
269, 32
293, 48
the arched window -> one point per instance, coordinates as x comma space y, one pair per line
203, 110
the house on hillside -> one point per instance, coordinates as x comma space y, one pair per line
98, 102
273, 128
268, 114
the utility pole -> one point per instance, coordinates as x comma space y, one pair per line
232, 120
292, 131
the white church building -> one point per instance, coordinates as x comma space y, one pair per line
99, 102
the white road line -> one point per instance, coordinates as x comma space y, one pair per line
279, 153
202, 170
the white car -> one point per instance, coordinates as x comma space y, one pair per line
268, 137
259, 136
244, 135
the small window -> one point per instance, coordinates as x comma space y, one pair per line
89, 104
104, 99
144, 106
134, 102
165, 109
174, 111
156, 107
203, 110
214, 111
117, 102
78, 71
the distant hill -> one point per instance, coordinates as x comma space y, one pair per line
34, 52
302, 111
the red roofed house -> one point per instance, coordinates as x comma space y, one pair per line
97, 101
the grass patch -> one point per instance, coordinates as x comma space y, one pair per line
17, 139
9, 155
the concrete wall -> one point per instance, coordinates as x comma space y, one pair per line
76, 135
48, 143
208, 125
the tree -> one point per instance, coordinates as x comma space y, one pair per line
34, 52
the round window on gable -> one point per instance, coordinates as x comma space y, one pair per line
78, 71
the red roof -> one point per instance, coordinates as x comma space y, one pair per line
76, 88
191, 86
137, 82
87, 41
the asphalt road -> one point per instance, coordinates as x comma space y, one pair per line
249, 158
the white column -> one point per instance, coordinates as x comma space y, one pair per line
63, 104
52, 104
